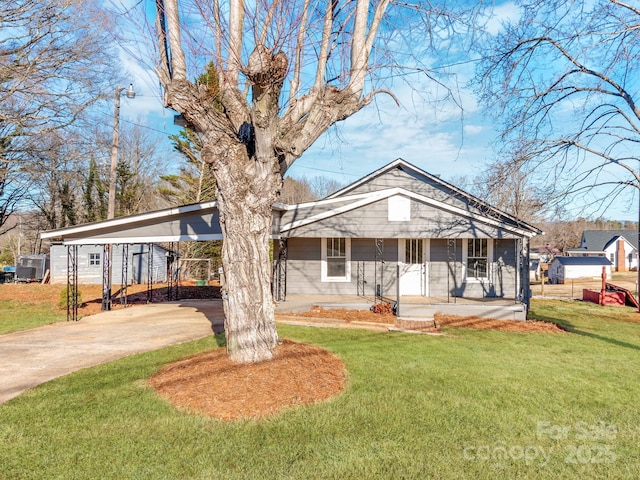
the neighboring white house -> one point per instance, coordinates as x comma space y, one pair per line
570, 268
622, 254
620, 247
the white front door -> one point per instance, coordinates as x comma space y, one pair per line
413, 266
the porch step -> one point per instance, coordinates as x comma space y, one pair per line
423, 325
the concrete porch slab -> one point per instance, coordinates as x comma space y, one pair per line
412, 307
494, 311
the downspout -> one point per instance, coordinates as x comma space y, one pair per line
518, 255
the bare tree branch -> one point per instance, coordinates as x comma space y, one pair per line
56, 62
236, 18
564, 80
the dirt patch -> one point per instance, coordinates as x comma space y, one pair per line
91, 295
503, 325
424, 326
210, 384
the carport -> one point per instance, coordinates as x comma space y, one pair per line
195, 222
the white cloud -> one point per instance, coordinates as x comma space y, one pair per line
145, 83
371, 139
146, 109
428, 130
473, 129
507, 12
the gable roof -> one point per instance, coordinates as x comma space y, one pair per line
201, 222
583, 261
343, 204
615, 239
598, 240
482, 207
130, 219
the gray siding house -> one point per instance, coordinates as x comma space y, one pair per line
399, 229
401, 224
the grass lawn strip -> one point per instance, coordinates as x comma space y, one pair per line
477, 404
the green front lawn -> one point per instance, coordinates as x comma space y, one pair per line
19, 315
473, 404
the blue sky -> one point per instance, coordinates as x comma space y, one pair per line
441, 138
438, 136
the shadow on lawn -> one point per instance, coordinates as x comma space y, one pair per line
571, 328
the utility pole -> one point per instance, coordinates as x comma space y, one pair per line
115, 143
111, 206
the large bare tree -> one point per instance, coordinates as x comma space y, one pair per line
288, 70
54, 63
53, 168
54, 60
141, 159
565, 80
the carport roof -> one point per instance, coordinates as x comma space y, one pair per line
195, 222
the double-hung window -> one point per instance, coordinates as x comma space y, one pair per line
336, 259
477, 258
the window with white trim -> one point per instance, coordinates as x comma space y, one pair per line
336, 259
95, 259
477, 258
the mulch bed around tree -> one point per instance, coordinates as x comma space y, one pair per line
211, 384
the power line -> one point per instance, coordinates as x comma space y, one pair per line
145, 126
328, 171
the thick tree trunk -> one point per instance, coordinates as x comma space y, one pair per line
251, 140
245, 196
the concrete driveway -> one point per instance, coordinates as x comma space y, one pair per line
31, 357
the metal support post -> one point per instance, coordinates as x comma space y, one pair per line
361, 281
150, 274
72, 283
379, 293
106, 277
124, 282
280, 273
169, 274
